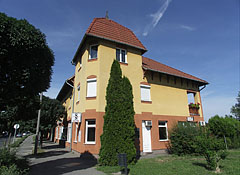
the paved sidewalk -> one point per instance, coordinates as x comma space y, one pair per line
26, 147
56, 160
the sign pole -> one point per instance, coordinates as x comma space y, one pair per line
14, 135
37, 129
16, 126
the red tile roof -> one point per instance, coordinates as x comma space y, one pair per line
153, 65
109, 29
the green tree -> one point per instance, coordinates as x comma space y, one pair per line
235, 110
221, 127
25, 62
127, 123
118, 128
51, 111
24, 112
226, 127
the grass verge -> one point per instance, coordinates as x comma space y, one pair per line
18, 142
181, 165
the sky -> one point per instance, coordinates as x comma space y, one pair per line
199, 37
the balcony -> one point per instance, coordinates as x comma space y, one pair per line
194, 109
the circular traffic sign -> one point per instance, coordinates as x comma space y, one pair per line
16, 126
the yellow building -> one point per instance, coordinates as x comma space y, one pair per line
161, 93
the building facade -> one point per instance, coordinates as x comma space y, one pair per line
161, 93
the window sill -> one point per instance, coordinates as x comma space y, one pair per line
92, 59
163, 140
93, 143
91, 98
75, 142
147, 102
122, 63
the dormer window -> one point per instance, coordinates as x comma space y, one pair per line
121, 55
93, 52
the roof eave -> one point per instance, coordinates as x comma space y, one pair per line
79, 48
201, 82
60, 97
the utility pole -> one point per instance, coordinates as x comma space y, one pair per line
38, 124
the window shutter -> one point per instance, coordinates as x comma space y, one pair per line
145, 93
92, 88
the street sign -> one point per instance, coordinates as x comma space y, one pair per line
76, 117
16, 126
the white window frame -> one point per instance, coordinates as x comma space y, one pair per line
90, 51
79, 135
88, 81
69, 132
60, 132
86, 131
56, 136
121, 55
163, 126
145, 87
76, 132
78, 92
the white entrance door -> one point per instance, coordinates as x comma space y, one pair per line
146, 133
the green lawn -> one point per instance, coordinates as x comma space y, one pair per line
184, 165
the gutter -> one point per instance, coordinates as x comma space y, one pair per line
202, 88
70, 147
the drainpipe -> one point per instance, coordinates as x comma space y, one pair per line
72, 113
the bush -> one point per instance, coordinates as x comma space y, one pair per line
188, 139
12, 170
10, 164
211, 148
183, 139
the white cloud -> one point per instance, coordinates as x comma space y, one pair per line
185, 27
156, 17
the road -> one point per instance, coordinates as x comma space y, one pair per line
3, 140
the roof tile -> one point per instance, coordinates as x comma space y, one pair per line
109, 29
148, 63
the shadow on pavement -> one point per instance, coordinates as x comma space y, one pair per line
63, 164
47, 154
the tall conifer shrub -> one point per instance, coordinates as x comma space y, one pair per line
118, 129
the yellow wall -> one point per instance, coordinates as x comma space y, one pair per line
68, 107
167, 98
